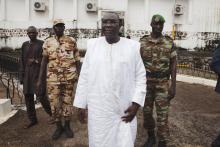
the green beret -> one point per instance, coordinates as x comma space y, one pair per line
158, 18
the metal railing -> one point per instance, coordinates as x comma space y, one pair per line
9, 76
195, 64
197, 72
10, 83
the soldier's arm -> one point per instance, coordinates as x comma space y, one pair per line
78, 66
41, 83
77, 58
173, 63
141, 48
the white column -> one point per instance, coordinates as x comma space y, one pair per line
126, 27
99, 13
147, 11
51, 9
3, 10
190, 12
173, 17
27, 9
75, 3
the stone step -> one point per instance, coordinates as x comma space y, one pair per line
5, 107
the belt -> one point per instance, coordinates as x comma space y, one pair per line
157, 74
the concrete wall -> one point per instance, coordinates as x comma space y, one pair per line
132, 15
198, 27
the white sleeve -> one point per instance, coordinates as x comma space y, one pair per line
140, 78
80, 99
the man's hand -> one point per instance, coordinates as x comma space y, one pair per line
130, 112
81, 115
171, 93
38, 88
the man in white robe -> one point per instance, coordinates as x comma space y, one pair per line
112, 85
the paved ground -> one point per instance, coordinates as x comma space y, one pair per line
194, 122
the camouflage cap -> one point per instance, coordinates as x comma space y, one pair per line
158, 18
58, 21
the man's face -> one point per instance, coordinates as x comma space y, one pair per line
32, 33
110, 25
157, 27
59, 29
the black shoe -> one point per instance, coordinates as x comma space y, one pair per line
69, 133
151, 141
58, 132
162, 144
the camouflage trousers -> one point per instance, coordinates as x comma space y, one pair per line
157, 93
61, 100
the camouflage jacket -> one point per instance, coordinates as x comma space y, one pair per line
156, 55
62, 56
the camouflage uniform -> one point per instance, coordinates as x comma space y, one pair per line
156, 55
61, 74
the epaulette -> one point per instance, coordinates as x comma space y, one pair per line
144, 37
49, 37
71, 37
168, 37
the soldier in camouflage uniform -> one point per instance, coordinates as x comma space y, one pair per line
62, 61
159, 57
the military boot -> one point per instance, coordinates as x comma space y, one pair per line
151, 141
58, 132
67, 129
162, 143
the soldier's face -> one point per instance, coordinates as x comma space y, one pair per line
157, 27
110, 25
32, 33
59, 29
